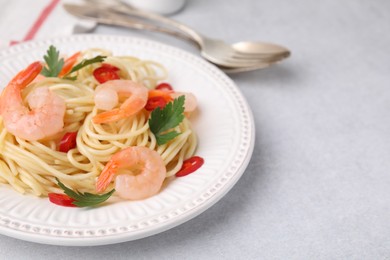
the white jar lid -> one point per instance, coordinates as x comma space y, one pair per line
158, 6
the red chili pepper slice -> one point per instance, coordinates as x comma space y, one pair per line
164, 86
190, 165
155, 102
68, 142
61, 199
105, 73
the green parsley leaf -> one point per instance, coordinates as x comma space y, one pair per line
85, 199
162, 120
83, 64
53, 62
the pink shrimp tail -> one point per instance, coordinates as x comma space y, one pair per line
105, 176
108, 116
119, 113
68, 65
25, 77
21, 80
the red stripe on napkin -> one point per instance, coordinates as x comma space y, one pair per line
13, 43
41, 19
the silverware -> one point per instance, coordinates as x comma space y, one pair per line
214, 50
241, 49
211, 51
109, 18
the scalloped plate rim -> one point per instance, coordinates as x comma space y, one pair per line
162, 226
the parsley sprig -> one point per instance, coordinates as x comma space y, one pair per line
162, 120
54, 64
85, 199
83, 64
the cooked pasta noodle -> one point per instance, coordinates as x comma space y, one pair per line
33, 166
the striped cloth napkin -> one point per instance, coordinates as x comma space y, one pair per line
24, 20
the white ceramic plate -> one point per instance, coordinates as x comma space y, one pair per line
225, 131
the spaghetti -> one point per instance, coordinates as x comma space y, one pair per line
33, 166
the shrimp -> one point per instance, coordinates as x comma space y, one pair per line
190, 103
106, 98
45, 115
143, 173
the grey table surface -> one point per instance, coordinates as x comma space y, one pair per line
318, 184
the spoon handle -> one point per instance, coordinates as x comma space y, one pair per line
109, 17
125, 8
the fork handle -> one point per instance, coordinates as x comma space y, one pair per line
127, 9
125, 21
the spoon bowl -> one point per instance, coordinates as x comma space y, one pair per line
265, 50
258, 66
